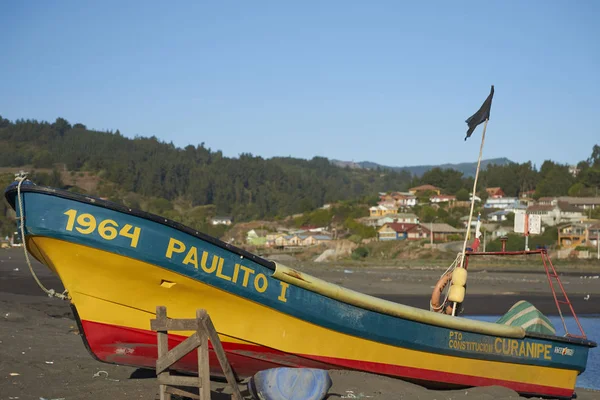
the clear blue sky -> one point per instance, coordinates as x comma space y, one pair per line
385, 81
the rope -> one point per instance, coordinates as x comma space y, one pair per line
49, 292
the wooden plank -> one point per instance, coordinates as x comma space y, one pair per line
185, 347
203, 366
162, 389
209, 328
184, 324
176, 380
163, 348
183, 393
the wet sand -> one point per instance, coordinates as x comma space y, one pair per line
43, 356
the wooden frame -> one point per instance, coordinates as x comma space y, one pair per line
204, 330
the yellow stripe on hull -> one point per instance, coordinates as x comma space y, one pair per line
113, 289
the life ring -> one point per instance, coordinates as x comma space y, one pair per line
434, 304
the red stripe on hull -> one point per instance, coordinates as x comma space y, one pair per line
136, 347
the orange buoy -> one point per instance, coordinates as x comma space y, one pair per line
434, 304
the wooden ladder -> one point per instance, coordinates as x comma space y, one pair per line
552, 274
204, 330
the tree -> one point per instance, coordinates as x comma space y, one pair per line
428, 214
462, 195
594, 159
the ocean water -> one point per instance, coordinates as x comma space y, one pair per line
591, 326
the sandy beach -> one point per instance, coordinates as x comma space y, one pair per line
43, 356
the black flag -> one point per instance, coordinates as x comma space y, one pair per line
481, 115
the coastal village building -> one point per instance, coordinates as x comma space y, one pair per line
389, 218
394, 231
379, 210
579, 234
556, 212
498, 216
442, 198
585, 203
500, 202
398, 199
298, 239
221, 221
400, 231
495, 193
424, 188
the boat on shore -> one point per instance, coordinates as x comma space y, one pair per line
118, 264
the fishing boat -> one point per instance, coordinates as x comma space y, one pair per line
118, 264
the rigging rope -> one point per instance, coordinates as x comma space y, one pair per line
49, 292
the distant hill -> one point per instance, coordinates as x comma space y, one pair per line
467, 168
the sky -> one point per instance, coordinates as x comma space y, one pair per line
390, 82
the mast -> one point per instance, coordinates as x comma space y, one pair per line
481, 116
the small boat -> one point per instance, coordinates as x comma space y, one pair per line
118, 264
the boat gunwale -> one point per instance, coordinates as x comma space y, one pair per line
34, 188
29, 186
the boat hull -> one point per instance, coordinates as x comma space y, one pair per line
118, 267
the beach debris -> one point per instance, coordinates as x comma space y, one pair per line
348, 271
16, 269
587, 297
13, 317
14, 374
105, 374
351, 395
49, 362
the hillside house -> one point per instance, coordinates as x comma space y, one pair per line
405, 199
547, 201
495, 231
441, 232
424, 188
495, 193
379, 211
442, 198
569, 213
517, 207
498, 216
573, 235
500, 202
380, 221
550, 215
299, 240
584, 203
397, 199
221, 221
394, 231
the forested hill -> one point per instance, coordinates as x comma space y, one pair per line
247, 187
251, 187
467, 168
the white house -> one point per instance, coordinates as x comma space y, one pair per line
501, 202
569, 213
499, 216
442, 198
550, 215
221, 221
